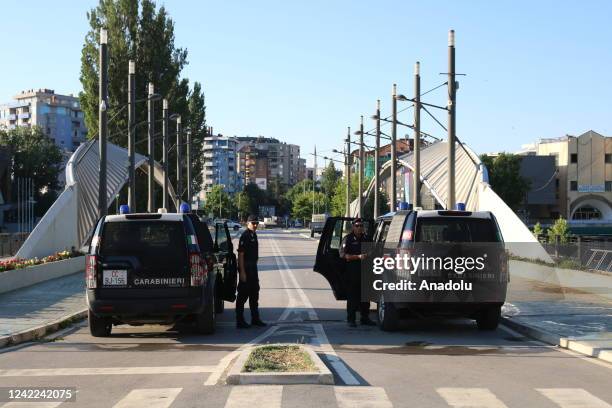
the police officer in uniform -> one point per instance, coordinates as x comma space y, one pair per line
351, 252
248, 285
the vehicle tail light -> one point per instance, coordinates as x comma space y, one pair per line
197, 268
91, 269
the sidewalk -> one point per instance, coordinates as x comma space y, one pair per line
562, 316
27, 313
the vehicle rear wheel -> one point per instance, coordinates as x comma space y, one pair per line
205, 321
99, 326
388, 316
488, 319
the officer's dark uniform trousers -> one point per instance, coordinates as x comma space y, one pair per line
249, 289
352, 246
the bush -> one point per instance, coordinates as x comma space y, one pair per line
560, 229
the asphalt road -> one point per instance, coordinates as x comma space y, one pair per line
426, 364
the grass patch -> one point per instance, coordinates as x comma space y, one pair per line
278, 359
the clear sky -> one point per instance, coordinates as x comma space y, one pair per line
302, 71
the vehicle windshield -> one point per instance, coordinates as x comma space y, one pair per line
456, 229
152, 242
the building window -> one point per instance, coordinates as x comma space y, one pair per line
587, 213
573, 186
608, 185
608, 158
574, 158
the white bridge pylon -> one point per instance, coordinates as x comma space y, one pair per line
471, 187
71, 218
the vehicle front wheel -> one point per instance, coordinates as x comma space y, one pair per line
388, 316
488, 319
99, 326
205, 321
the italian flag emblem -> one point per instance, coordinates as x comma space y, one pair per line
191, 240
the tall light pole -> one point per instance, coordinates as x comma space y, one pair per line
131, 135
360, 187
393, 197
348, 173
165, 153
103, 123
189, 198
416, 198
314, 180
179, 169
376, 161
452, 91
151, 148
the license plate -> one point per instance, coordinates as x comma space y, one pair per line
114, 277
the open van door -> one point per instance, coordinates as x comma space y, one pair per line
328, 262
224, 250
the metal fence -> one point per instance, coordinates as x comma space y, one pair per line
588, 252
10, 243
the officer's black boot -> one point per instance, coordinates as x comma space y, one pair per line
240, 322
256, 321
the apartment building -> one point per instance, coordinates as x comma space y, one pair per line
59, 116
220, 168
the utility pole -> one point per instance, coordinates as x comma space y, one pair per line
393, 197
103, 122
416, 195
151, 148
179, 170
314, 180
452, 92
348, 172
361, 168
189, 167
165, 153
131, 135
376, 161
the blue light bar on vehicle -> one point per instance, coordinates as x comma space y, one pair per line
124, 209
460, 206
184, 208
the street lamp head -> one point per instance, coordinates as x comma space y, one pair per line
451, 38
165, 104
417, 68
131, 67
377, 105
154, 97
374, 117
401, 97
394, 90
103, 36
357, 132
175, 116
151, 89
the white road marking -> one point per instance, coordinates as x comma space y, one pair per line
149, 398
573, 398
76, 371
470, 398
249, 396
23, 404
362, 397
322, 342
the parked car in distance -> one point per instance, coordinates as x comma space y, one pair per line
317, 223
298, 224
233, 225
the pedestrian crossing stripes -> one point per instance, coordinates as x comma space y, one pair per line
249, 396
573, 398
470, 398
271, 396
150, 398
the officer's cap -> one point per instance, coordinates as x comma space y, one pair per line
357, 221
252, 218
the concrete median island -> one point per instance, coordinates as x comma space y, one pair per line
279, 364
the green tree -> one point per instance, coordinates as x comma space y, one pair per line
537, 230
330, 178
219, 203
505, 178
139, 31
303, 204
256, 197
196, 124
297, 189
35, 156
243, 205
559, 229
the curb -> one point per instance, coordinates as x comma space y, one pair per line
323, 375
604, 354
42, 330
